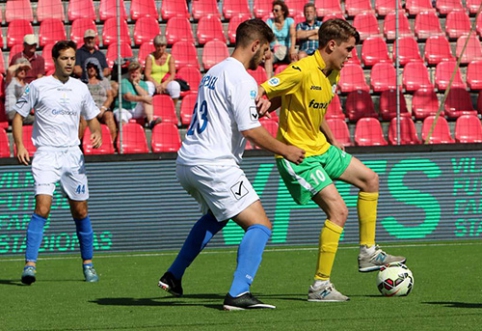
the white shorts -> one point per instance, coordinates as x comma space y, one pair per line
224, 190
66, 165
126, 114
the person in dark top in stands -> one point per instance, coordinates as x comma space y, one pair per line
87, 50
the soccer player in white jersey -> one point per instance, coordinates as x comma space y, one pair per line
58, 100
208, 164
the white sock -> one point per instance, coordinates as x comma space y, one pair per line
319, 283
367, 250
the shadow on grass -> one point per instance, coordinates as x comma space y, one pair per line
451, 304
11, 282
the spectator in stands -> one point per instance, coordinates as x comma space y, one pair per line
160, 71
16, 87
136, 100
283, 47
307, 31
37, 62
101, 91
88, 50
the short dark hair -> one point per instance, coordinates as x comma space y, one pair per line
61, 45
308, 5
251, 30
337, 29
283, 5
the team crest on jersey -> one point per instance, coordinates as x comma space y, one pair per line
253, 113
273, 81
252, 94
27, 90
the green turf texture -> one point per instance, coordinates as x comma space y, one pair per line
447, 294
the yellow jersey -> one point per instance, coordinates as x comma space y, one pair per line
305, 94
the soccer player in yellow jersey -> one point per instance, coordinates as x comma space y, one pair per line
303, 91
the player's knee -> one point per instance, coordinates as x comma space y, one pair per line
339, 216
373, 182
42, 211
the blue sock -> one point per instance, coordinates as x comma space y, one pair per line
250, 252
85, 234
201, 233
35, 233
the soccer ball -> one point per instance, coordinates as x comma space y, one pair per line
395, 280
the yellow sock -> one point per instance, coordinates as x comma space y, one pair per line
367, 217
329, 238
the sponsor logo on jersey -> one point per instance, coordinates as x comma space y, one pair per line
63, 112
296, 68
253, 94
273, 81
64, 89
318, 105
314, 87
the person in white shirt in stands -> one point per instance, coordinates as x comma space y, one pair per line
58, 100
208, 164
16, 85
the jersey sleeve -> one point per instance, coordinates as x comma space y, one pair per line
89, 108
27, 101
286, 82
244, 105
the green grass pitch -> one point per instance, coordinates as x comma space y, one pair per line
447, 294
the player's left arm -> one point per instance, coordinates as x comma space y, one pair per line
329, 135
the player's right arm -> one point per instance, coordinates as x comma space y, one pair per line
22, 153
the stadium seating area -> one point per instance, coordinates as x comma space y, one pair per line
430, 41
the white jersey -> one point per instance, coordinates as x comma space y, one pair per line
58, 107
225, 106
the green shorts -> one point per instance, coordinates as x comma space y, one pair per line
315, 173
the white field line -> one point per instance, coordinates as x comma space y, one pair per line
224, 251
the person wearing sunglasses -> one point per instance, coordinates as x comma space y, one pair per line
16, 85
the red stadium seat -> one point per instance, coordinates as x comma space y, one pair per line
441, 133
143, 8
259, 74
173, 8
458, 103
325, 7
3, 115
468, 129
179, 29
443, 75
479, 103
17, 48
210, 28
383, 77
280, 68
133, 139
144, 50
352, 78
472, 6
383, 7
408, 132
457, 24
16, 30
165, 138
187, 108
4, 144
474, 75
164, 108
437, 49
192, 76
390, 29
107, 146
414, 7
374, 50
108, 9
261, 8
478, 24
201, 8
214, 51
353, 7
473, 50
81, 9
334, 109
427, 24
340, 130
18, 10
366, 24
184, 54
78, 28
109, 32
111, 54
27, 140
331, 16
444, 7
145, 29
388, 105
233, 25
2, 64
425, 103
47, 55
50, 9
295, 7
51, 30
233, 8
407, 50
359, 104
368, 132
415, 76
